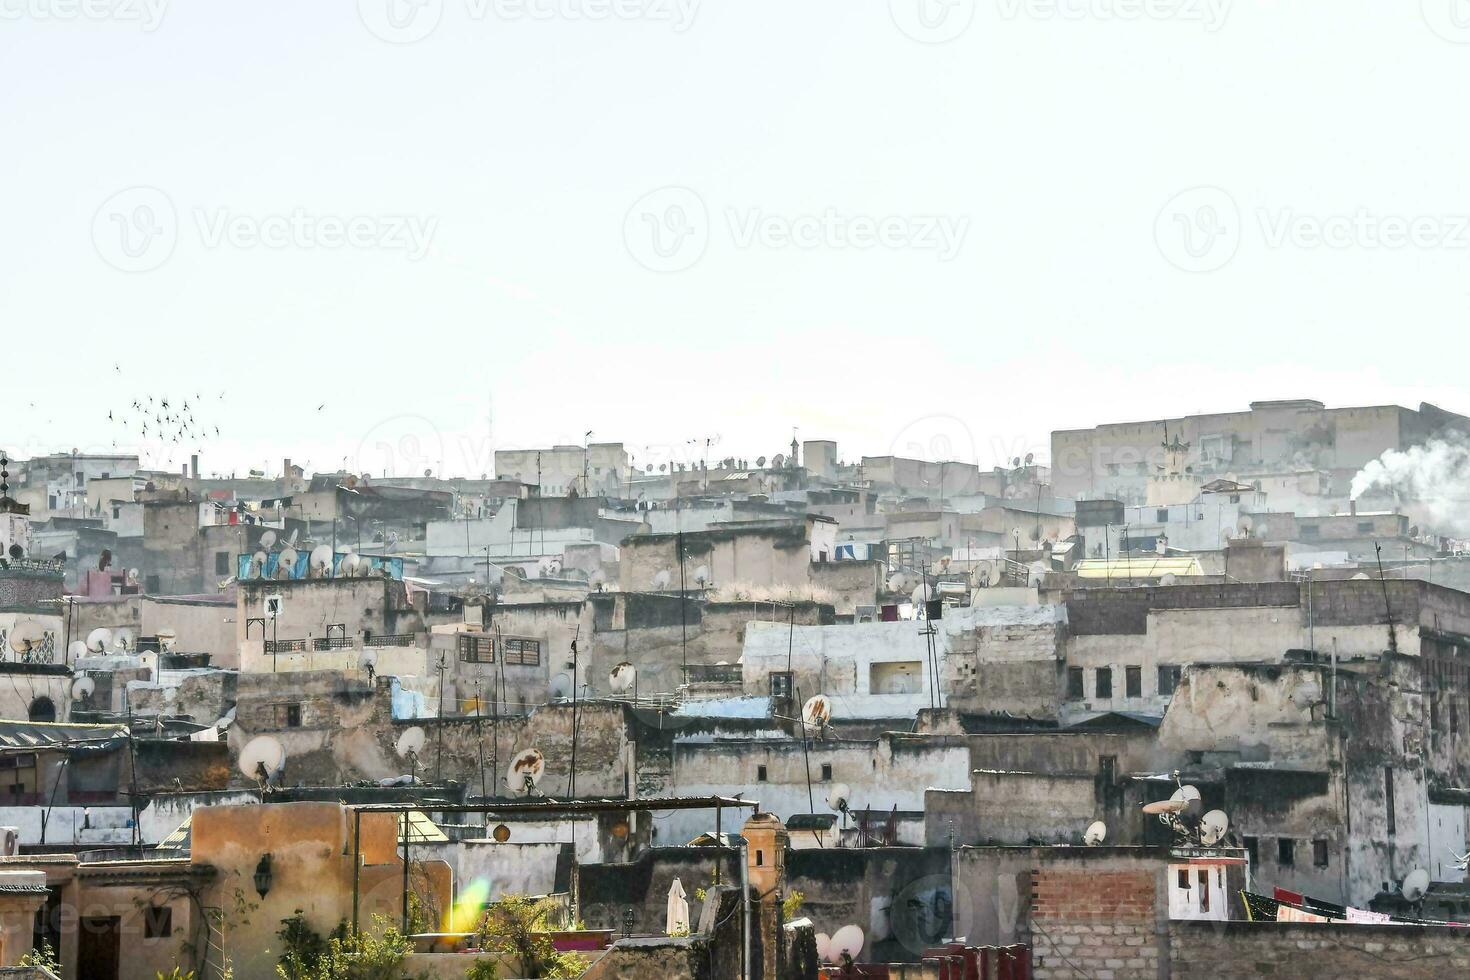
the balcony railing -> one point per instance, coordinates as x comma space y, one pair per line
715, 674
285, 646
390, 640
332, 643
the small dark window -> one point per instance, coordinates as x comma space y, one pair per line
293, 716
826, 772
780, 684
1133, 682
1104, 682
1075, 685
1253, 850
1168, 679
1285, 852
1204, 890
760, 774
150, 584
1388, 800
760, 858
158, 922
221, 563
1184, 878
1162, 515
42, 709
1319, 853
1365, 527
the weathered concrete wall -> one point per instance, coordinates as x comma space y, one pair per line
899, 896
1237, 950
851, 583
311, 605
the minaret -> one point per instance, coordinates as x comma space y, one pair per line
15, 518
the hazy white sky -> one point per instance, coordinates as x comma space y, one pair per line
923, 226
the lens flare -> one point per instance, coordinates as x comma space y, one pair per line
464, 915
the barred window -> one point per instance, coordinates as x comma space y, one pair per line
525, 653
476, 649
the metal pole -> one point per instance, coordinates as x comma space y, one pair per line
403, 826
356, 863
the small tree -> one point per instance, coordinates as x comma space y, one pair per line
518, 926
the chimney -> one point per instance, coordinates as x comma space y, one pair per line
1353, 508
286, 468
184, 471
194, 465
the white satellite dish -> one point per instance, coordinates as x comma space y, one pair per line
368, 658
77, 648
921, 594
125, 640
621, 677
1212, 827
262, 750
1189, 795
1415, 886
99, 640
839, 797
257, 564
1095, 834
849, 939
412, 740
702, 575
82, 688
286, 561
26, 636
824, 941
1160, 807
561, 686
817, 712
526, 770
268, 540
662, 580
131, 578
319, 564
898, 582
167, 640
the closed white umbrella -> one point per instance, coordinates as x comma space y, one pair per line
678, 915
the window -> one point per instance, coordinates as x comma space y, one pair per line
523, 653
760, 774
826, 772
781, 684
1162, 515
1311, 531
1103, 683
1204, 889
1075, 684
1388, 799
288, 715
1285, 852
1365, 527
221, 563
1168, 679
476, 649
1253, 850
1235, 498
42, 709
158, 922
1319, 853
116, 513
150, 584
1133, 682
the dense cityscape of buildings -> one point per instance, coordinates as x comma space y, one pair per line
1191, 696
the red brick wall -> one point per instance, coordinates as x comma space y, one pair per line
1094, 923
1093, 896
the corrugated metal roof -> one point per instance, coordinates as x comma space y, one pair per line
29, 735
1149, 566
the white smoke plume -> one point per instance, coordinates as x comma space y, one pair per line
1434, 475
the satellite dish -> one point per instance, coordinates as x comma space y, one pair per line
760, 462
824, 947
368, 658
1160, 807
898, 582
778, 461
286, 561
1212, 827
526, 770
268, 540
125, 640
817, 712
1416, 884
849, 940
1030, 458
920, 595
320, 561
82, 688
1168, 578
131, 577
99, 639
262, 750
662, 580
561, 686
839, 797
501, 833
411, 741
77, 648
1095, 834
167, 640
621, 677
26, 636
1190, 797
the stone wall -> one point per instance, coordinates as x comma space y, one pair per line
1238, 950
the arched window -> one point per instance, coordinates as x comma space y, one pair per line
43, 709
